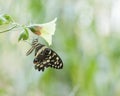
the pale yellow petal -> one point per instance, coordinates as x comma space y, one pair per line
48, 38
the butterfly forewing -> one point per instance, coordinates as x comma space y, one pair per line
30, 51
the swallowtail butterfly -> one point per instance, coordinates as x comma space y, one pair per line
44, 57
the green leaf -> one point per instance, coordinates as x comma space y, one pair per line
8, 18
24, 35
2, 20
5, 19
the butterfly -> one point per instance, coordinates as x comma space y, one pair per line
44, 56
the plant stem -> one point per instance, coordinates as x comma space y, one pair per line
9, 29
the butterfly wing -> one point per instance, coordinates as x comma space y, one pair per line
54, 60
30, 51
46, 57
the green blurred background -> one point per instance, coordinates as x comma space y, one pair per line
87, 39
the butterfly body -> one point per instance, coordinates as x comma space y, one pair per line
45, 57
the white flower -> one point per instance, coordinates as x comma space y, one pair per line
45, 30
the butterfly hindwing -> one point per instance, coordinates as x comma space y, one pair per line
46, 57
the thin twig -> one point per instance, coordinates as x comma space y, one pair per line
8, 29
